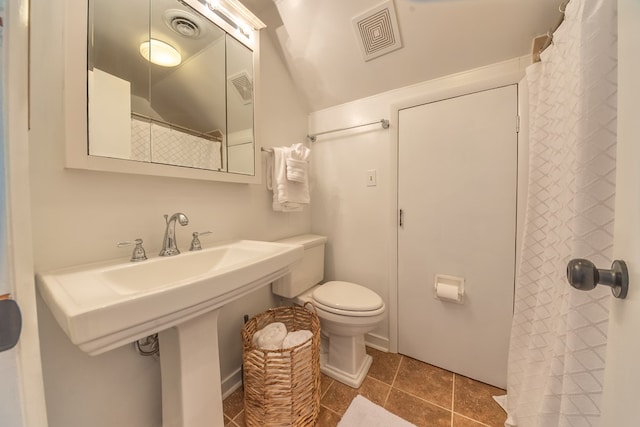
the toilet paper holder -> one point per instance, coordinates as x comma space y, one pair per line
448, 288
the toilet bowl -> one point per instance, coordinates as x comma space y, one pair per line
347, 312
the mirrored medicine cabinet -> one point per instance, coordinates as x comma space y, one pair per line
170, 89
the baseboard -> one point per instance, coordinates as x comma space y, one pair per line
232, 383
378, 342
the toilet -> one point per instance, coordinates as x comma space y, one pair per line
347, 311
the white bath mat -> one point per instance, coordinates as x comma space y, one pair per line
364, 413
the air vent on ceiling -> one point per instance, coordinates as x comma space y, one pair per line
377, 31
185, 27
184, 23
241, 82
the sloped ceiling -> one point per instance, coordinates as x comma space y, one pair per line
440, 37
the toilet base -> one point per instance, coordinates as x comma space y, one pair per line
352, 380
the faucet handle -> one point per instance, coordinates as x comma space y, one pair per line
195, 242
138, 252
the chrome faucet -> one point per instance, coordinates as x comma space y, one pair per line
169, 246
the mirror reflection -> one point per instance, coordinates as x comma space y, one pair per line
166, 85
239, 107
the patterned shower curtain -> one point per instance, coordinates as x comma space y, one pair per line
559, 334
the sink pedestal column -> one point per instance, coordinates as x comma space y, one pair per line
190, 369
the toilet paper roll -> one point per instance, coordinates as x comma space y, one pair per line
447, 292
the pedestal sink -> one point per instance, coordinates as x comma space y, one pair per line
106, 305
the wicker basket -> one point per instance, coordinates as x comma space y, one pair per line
282, 387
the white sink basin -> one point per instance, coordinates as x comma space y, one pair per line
103, 306
171, 271
106, 305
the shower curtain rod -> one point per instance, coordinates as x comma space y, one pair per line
383, 122
192, 132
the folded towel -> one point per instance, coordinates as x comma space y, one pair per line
272, 185
295, 338
271, 336
296, 170
288, 196
299, 152
297, 163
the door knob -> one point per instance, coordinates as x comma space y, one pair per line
10, 323
583, 274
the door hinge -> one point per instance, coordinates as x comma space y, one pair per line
518, 124
401, 217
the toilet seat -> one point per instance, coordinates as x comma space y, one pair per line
347, 299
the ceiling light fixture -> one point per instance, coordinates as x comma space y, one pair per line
160, 53
213, 4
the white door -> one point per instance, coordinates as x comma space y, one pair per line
457, 175
21, 390
10, 401
622, 371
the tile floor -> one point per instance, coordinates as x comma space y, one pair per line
423, 394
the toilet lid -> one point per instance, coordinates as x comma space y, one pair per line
347, 296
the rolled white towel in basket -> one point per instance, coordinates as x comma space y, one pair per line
297, 337
271, 336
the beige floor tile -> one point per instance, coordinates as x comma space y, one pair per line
325, 382
384, 366
421, 393
417, 411
374, 390
460, 421
474, 400
425, 381
234, 403
327, 418
228, 422
338, 397
239, 420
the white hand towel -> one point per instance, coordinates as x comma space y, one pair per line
297, 163
300, 152
271, 336
297, 170
297, 192
287, 195
276, 173
297, 337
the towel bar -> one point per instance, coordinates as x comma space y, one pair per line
383, 122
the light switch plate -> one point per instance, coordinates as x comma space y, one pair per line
371, 178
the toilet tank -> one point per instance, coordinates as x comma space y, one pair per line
306, 272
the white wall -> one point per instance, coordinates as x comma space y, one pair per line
360, 220
78, 216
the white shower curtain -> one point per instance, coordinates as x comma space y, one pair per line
559, 334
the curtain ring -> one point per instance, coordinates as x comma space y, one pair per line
563, 6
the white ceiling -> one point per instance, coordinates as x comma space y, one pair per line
440, 37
